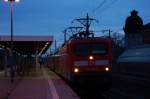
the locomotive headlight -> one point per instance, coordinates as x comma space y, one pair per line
106, 69
76, 70
91, 57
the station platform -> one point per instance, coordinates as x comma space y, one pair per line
40, 83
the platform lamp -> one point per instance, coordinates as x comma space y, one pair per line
11, 28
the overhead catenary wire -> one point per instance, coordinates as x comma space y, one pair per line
108, 6
103, 6
99, 6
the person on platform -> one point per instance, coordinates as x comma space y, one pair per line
133, 23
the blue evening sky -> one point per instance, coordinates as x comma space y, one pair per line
51, 17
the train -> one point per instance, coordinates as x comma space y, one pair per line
84, 60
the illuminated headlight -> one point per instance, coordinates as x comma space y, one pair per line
91, 57
106, 69
76, 70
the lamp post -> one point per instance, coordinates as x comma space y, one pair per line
11, 29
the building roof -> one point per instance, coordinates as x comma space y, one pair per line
27, 44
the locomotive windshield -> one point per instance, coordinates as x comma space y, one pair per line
94, 49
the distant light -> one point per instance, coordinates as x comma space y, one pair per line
6, 0
107, 69
3, 46
47, 43
12, 0
91, 57
17, 0
76, 70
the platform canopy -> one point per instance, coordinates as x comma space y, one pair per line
27, 44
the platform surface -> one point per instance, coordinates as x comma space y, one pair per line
39, 84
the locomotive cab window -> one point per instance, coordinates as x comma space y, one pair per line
98, 49
82, 49
86, 49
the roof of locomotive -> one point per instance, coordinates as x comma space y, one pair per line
88, 39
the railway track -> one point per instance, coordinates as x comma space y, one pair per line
91, 93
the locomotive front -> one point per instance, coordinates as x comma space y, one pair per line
91, 60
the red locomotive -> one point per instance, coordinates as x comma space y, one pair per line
84, 58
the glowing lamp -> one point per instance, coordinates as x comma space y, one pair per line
17, 0
12, 0
106, 69
76, 70
6, 0
91, 57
